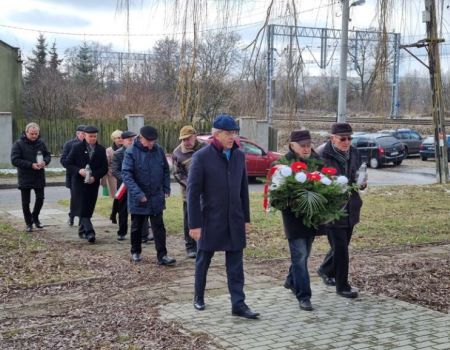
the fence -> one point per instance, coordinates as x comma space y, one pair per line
56, 132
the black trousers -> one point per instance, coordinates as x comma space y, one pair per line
191, 244
159, 233
235, 275
123, 216
85, 226
336, 262
115, 208
26, 199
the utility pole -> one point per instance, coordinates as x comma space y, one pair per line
342, 97
440, 139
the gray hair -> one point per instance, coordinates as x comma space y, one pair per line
32, 126
214, 130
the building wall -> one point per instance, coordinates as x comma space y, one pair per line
10, 80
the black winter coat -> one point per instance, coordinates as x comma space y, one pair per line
65, 153
217, 198
293, 226
84, 195
23, 155
354, 203
116, 164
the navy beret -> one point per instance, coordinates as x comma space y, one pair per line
341, 129
80, 127
225, 122
127, 134
90, 129
149, 132
300, 136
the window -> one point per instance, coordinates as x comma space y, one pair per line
415, 136
248, 148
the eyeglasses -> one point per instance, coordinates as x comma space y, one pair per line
345, 138
230, 132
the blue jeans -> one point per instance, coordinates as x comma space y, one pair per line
298, 275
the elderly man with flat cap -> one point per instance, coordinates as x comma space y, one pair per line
182, 158
79, 137
339, 153
146, 174
219, 211
300, 237
87, 164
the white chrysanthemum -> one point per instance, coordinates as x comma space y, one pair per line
342, 180
285, 171
325, 180
300, 177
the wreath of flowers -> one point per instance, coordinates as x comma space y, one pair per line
316, 196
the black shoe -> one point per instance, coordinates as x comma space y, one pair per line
82, 234
121, 237
113, 219
289, 286
90, 237
29, 228
144, 239
328, 281
37, 223
150, 238
192, 254
199, 303
306, 305
245, 312
351, 293
167, 261
135, 257
70, 221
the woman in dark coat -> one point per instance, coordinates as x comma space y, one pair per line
300, 236
30, 172
339, 154
87, 152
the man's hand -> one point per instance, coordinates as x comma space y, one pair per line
143, 200
248, 227
35, 166
166, 195
195, 233
82, 172
364, 184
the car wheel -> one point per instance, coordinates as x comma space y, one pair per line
398, 162
423, 158
406, 153
374, 163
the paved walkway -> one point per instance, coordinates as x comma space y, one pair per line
368, 322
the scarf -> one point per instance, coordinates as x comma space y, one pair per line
341, 156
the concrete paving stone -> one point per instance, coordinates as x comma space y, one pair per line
440, 338
424, 345
359, 346
442, 346
405, 347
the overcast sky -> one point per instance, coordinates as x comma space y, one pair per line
69, 22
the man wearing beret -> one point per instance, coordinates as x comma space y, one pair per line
146, 174
219, 211
300, 237
182, 158
79, 137
87, 164
116, 166
339, 153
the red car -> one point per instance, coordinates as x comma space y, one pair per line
257, 159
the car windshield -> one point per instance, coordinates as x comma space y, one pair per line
386, 140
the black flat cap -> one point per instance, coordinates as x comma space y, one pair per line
301, 136
80, 127
90, 129
128, 134
341, 129
149, 132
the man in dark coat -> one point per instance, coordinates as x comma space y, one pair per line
341, 155
146, 174
87, 164
300, 236
182, 158
116, 166
30, 155
79, 137
219, 211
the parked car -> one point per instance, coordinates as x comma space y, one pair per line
257, 158
427, 149
378, 149
411, 139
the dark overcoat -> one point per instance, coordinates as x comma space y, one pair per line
146, 173
23, 155
65, 153
294, 228
84, 196
217, 198
354, 204
116, 164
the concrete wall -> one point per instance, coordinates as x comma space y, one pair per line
6, 140
11, 79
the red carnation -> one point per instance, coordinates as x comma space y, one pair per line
298, 166
315, 176
329, 171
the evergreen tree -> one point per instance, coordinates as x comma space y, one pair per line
54, 61
85, 68
38, 62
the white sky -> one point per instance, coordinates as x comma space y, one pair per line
151, 20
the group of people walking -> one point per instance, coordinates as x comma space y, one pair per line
216, 205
